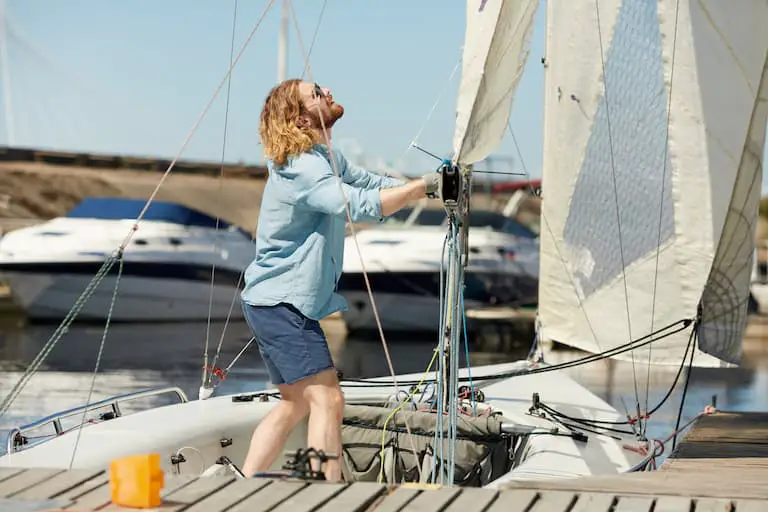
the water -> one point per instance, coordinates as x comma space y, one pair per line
140, 356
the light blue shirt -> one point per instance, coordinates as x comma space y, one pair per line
301, 231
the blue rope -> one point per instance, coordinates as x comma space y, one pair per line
438, 446
466, 352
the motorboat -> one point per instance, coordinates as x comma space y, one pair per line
181, 265
402, 258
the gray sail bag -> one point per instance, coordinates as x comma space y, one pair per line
481, 450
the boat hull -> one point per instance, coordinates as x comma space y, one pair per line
409, 301
161, 296
204, 430
397, 312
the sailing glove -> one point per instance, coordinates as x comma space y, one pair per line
432, 184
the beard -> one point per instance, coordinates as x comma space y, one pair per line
337, 112
330, 114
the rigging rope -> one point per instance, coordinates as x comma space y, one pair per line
661, 205
447, 374
314, 35
685, 392
391, 415
60, 331
98, 358
432, 110
658, 335
455, 345
205, 379
632, 420
616, 201
339, 181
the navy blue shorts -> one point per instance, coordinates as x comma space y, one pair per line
293, 346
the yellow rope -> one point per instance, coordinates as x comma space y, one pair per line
392, 414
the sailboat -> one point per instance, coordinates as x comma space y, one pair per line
655, 116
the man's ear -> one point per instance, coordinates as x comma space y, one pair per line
303, 122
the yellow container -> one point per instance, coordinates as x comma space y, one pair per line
136, 480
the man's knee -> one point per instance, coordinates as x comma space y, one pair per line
326, 397
321, 391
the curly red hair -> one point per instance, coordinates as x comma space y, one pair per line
280, 134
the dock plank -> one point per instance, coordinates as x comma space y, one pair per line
6, 473
554, 500
750, 506
517, 500
186, 494
634, 504
396, 499
230, 495
357, 496
25, 479
593, 502
433, 500
311, 497
717, 483
15, 505
472, 498
730, 427
58, 484
714, 505
713, 469
746, 453
269, 496
101, 497
85, 487
95, 497
672, 504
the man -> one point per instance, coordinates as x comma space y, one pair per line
291, 284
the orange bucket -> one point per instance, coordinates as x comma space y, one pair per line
136, 480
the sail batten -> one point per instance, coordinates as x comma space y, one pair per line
495, 50
676, 152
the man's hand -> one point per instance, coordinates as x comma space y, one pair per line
432, 184
395, 198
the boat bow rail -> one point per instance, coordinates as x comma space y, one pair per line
16, 439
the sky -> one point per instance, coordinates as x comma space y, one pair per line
134, 77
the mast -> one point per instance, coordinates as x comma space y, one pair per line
282, 43
455, 192
7, 106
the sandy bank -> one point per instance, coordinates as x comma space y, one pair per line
41, 191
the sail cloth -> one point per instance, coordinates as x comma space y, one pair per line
495, 50
686, 198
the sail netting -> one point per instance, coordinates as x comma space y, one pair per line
496, 41
649, 204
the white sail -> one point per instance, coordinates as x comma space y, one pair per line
607, 278
727, 289
495, 50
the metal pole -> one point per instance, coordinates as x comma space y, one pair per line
282, 44
8, 107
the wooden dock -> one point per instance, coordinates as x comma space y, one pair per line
721, 465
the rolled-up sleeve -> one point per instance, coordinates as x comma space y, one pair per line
357, 177
317, 188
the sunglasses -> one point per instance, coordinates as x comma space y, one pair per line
317, 92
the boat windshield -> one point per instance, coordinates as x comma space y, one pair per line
478, 219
